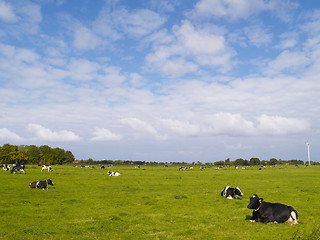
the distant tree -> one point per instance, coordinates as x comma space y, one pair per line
264, 162
5, 156
22, 155
240, 162
45, 154
12, 154
254, 161
68, 157
90, 161
219, 163
273, 161
33, 154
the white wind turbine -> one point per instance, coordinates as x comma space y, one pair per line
308, 147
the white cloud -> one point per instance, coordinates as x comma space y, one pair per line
291, 61
199, 42
7, 135
242, 9
85, 39
229, 124
22, 18
277, 125
235, 125
141, 127
6, 12
83, 70
258, 36
230, 9
190, 49
138, 22
182, 128
43, 133
103, 134
288, 40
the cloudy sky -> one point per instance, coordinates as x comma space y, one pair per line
162, 80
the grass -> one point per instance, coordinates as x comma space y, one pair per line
154, 203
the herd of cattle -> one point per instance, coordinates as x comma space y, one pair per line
263, 212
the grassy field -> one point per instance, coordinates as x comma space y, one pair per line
155, 203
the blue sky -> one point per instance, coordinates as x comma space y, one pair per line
162, 80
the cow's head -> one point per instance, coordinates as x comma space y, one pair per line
254, 202
49, 182
238, 191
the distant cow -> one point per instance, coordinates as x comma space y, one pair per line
45, 167
231, 193
17, 168
6, 167
271, 212
182, 168
102, 167
41, 184
113, 174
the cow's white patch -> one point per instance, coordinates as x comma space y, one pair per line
293, 218
225, 191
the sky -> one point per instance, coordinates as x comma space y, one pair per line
166, 81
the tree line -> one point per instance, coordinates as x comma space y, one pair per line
227, 162
34, 155
257, 161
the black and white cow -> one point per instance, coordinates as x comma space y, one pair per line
231, 193
6, 167
182, 168
17, 167
41, 184
47, 167
271, 212
113, 174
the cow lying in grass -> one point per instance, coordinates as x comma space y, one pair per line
17, 168
271, 212
41, 184
113, 174
6, 167
231, 193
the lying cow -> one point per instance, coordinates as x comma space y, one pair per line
182, 168
6, 167
17, 168
45, 167
113, 174
231, 193
41, 184
271, 212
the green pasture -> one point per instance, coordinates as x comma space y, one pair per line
155, 203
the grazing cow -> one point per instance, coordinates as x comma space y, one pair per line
231, 193
41, 184
113, 174
182, 168
17, 168
49, 168
6, 167
271, 212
